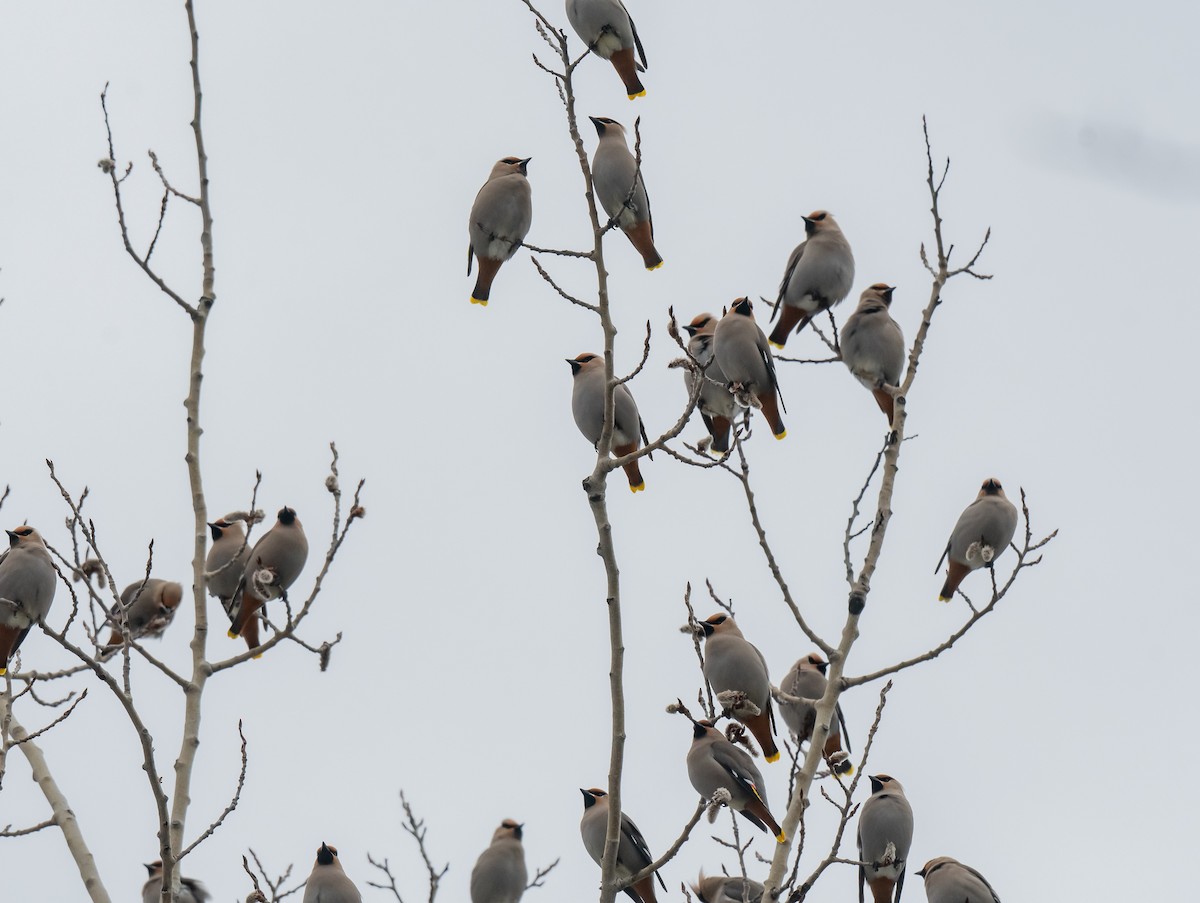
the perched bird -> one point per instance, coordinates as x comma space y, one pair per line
226, 561
806, 680
982, 533
714, 764
500, 875
587, 404
190, 890
147, 609
327, 882
885, 820
731, 662
609, 32
633, 854
949, 881
274, 564
621, 191
26, 589
716, 404
723, 889
819, 275
742, 353
873, 345
500, 219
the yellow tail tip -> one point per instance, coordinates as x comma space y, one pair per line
942, 598
641, 93
482, 302
774, 757
231, 634
774, 344
256, 657
781, 837
640, 487
781, 435
657, 266
3, 671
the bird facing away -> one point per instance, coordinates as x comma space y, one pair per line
806, 680
190, 890
500, 875
587, 405
731, 662
607, 29
742, 353
885, 820
981, 535
873, 346
226, 561
633, 853
819, 274
724, 889
327, 883
621, 191
27, 584
949, 881
274, 564
713, 764
716, 405
147, 609
500, 219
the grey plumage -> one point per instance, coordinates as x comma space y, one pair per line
27, 584
226, 561
587, 407
872, 345
716, 404
741, 351
190, 890
147, 608
500, 875
621, 190
606, 27
984, 530
500, 219
328, 883
819, 274
806, 680
724, 889
886, 818
949, 881
633, 853
731, 662
713, 764
273, 566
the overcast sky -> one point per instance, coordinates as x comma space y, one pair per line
346, 146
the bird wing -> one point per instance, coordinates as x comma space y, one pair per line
638, 42
630, 831
787, 276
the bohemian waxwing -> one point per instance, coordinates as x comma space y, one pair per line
327, 883
500, 218
731, 662
885, 821
714, 763
981, 535
806, 680
873, 345
724, 889
274, 564
27, 584
819, 275
716, 405
633, 853
949, 881
147, 609
500, 875
621, 190
226, 561
190, 890
587, 404
607, 29
742, 353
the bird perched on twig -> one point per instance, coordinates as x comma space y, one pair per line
716, 405
607, 29
715, 764
500, 875
819, 274
621, 191
27, 584
328, 882
983, 532
190, 890
272, 567
146, 610
885, 829
587, 406
742, 353
872, 345
633, 853
733, 663
724, 889
806, 680
500, 219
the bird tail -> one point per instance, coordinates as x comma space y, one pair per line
719, 429
760, 726
626, 66
644, 890
642, 238
770, 408
10, 639
788, 318
756, 810
954, 576
488, 268
634, 474
886, 403
881, 889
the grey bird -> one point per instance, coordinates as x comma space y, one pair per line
633, 853
819, 274
984, 530
27, 584
190, 890
724, 889
500, 875
587, 405
147, 608
226, 561
716, 405
274, 564
733, 663
872, 345
714, 764
327, 883
949, 881
607, 29
885, 829
500, 219
806, 680
621, 191
742, 353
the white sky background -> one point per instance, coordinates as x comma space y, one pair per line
345, 150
